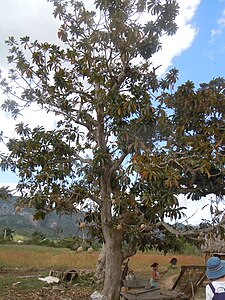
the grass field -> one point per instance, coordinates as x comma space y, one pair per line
27, 256
24, 263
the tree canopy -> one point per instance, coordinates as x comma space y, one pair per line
126, 142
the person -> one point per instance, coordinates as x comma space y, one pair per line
155, 275
215, 271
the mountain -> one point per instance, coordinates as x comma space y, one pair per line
22, 221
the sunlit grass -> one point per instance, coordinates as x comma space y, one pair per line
144, 260
141, 262
27, 256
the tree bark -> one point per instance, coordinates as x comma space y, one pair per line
112, 237
100, 266
113, 270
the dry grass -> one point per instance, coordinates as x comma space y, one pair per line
26, 256
142, 261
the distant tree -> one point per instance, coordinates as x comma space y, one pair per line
38, 237
5, 193
126, 143
8, 234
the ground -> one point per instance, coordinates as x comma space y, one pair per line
169, 281
23, 284
69, 294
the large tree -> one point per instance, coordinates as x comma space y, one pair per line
125, 143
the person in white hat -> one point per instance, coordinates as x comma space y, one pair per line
215, 271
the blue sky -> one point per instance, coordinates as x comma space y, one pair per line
197, 50
205, 58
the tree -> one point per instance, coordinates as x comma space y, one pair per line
5, 193
8, 234
107, 154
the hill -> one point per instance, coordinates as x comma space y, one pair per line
22, 221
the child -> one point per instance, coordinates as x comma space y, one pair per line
155, 276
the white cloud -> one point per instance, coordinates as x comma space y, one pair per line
215, 32
173, 46
198, 211
11, 186
26, 17
34, 18
30, 116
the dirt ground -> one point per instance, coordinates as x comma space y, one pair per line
169, 281
23, 285
75, 291
69, 294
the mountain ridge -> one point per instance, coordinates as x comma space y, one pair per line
21, 221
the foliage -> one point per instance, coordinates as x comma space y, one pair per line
74, 243
5, 193
7, 234
39, 238
38, 235
104, 109
191, 162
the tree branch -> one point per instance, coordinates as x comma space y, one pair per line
176, 232
83, 160
117, 163
132, 250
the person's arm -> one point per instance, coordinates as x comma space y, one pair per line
163, 272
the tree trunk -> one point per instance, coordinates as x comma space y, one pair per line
112, 237
100, 266
113, 270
